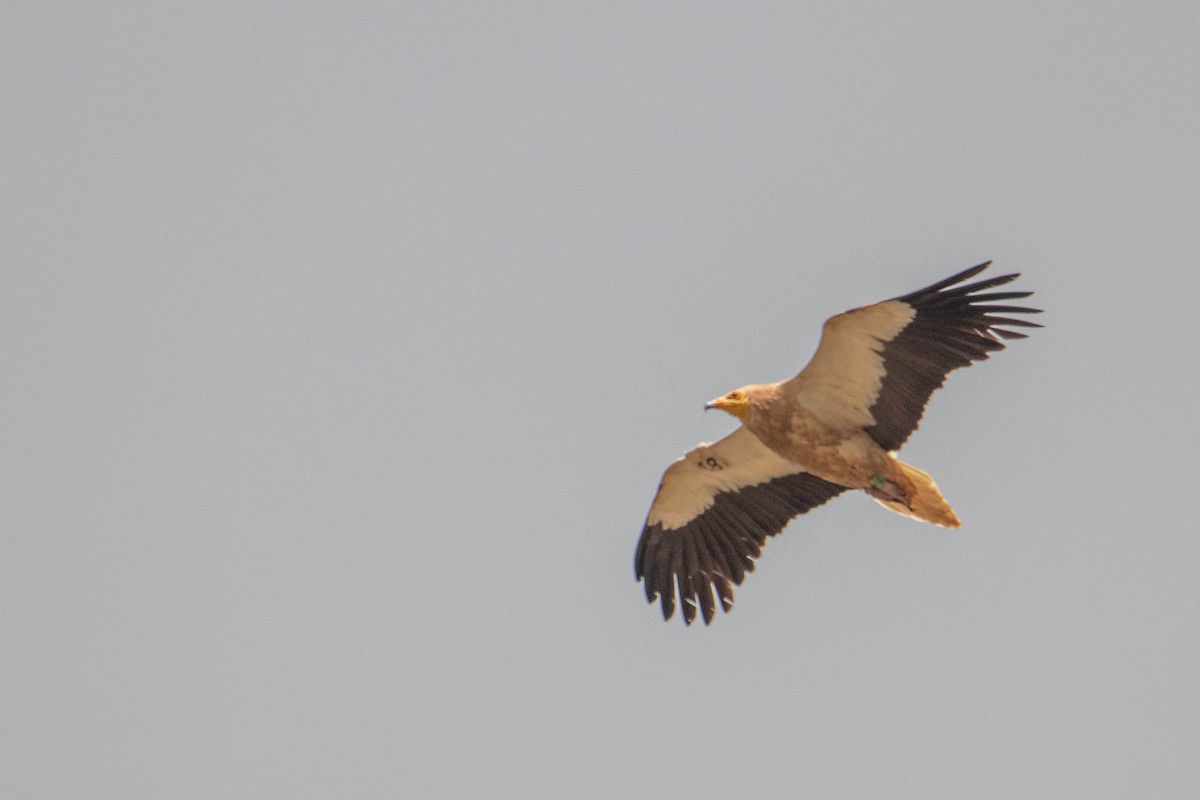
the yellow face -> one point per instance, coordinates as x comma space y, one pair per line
736, 402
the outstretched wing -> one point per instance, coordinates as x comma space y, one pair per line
713, 512
877, 366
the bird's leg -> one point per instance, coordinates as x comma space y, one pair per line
883, 488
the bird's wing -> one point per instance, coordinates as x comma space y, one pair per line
713, 512
877, 366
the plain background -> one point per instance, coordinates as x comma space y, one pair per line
344, 345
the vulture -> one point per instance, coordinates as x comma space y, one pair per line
834, 426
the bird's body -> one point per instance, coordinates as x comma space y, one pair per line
843, 455
835, 426
840, 452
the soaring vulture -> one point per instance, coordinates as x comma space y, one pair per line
806, 440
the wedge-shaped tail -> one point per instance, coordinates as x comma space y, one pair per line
925, 501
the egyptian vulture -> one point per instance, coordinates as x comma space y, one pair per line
833, 427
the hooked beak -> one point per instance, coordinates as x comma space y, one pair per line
720, 403
738, 405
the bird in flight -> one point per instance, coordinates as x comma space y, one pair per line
833, 427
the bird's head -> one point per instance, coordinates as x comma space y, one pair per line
736, 402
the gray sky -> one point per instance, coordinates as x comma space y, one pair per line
345, 345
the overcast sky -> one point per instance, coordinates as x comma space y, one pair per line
343, 347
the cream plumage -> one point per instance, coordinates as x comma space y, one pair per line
805, 440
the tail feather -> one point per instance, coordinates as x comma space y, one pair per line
925, 501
